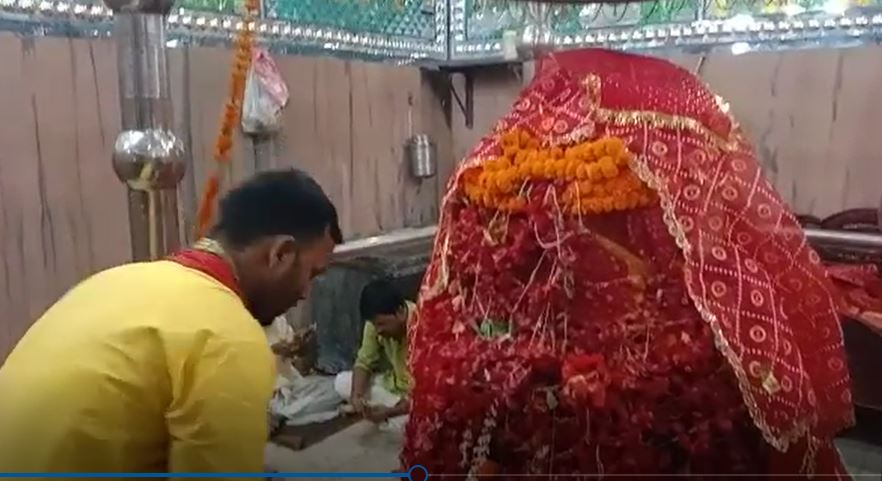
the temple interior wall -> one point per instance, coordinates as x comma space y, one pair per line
63, 213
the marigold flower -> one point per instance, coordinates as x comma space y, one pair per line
633, 201
595, 176
536, 169
224, 141
570, 169
510, 139
560, 168
608, 167
613, 146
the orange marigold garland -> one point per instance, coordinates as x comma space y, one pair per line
243, 45
595, 175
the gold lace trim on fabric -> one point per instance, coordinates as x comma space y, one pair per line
659, 120
639, 164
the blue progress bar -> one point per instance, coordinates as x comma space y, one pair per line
421, 475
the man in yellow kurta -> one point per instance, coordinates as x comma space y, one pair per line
383, 399
163, 366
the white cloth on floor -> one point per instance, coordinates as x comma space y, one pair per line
376, 395
299, 399
306, 400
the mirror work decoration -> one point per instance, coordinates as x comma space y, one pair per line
476, 31
479, 27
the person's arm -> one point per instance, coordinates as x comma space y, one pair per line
295, 346
217, 420
399, 409
379, 414
368, 355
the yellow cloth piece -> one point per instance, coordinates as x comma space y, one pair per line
142, 368
374, 347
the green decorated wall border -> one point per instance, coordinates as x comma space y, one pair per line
401, 30
478, 26
472, 31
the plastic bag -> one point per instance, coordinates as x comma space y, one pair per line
265, 95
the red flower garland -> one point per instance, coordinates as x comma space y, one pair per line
622, 376
552, 341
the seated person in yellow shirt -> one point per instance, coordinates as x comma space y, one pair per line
165, 365
383, 398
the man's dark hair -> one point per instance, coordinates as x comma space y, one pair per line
380, 297
278, 202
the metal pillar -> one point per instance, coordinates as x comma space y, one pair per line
855, 240
147, 155
879, 216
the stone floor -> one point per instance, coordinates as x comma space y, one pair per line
363, 448
864, 461
358, 448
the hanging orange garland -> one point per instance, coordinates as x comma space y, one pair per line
243, 45
595, 175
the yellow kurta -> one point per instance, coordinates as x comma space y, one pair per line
144, 367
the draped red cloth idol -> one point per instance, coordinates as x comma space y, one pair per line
696, 333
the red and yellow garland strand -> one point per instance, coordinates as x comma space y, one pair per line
243, 45
595, 175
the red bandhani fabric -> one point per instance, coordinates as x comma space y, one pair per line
209, 264
672, 338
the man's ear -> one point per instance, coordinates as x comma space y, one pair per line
281, 247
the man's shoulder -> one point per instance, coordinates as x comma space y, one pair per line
164, 296
150, 275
